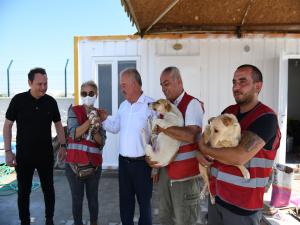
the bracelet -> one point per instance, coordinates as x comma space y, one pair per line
7, 150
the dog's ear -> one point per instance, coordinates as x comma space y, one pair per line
206, 134
168, 106
210, 119
227, 120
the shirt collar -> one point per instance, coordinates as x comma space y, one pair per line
179, 98
33, 98
141, 99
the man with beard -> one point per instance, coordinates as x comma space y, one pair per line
239, 201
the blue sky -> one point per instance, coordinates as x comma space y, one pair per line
40, 33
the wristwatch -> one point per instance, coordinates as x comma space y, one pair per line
63, 145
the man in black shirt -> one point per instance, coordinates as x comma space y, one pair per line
34, 111
238, 200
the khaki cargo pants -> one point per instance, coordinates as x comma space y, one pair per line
179, 201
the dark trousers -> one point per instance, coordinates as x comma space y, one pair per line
135, 180
77, 186
218, 215
24, 176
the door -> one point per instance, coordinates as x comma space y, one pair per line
107, 70
283, 103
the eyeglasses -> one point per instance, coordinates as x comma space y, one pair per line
90, 93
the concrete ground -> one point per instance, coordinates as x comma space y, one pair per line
108, 203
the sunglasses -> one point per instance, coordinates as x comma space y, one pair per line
90, 93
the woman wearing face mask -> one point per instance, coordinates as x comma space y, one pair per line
84, 153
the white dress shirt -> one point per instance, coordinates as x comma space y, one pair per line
129, 121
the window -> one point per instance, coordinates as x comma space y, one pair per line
104, 85
121, 66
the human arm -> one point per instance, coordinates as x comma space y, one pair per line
248, 147
193, 124
10, 158
100, 137
76, 130
155, 175
260, 134
11, 115
61, 139
110, 123
185, 134
204, 160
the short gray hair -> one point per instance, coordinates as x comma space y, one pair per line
90, 83
133, 74
173, 71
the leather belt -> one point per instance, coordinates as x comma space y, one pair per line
132, 159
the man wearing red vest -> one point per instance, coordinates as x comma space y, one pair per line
239, 201
179, 182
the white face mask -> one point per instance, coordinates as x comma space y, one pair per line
89, 101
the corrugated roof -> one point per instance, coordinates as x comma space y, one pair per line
215, 16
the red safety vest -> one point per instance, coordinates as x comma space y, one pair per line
82, 151
228, 183
185, 164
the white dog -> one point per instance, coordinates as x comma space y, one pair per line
165, 147
222, 131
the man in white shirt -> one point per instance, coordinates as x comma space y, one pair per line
179, 182
134, 172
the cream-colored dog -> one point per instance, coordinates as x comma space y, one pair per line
222, 131
163, 147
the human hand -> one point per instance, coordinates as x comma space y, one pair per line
202, 146
155, 175
96, 122
204, 161
153, 164
102, 114
159, 129
10, 158
62, 153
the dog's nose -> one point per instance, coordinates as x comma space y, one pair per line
149, 103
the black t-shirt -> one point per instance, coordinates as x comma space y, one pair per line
34, 118
265, 127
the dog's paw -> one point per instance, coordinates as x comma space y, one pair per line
212, 200
246, 174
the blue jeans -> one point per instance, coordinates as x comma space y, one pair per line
135, 180
91, 185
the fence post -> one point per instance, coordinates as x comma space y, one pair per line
7, 72
66, 77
